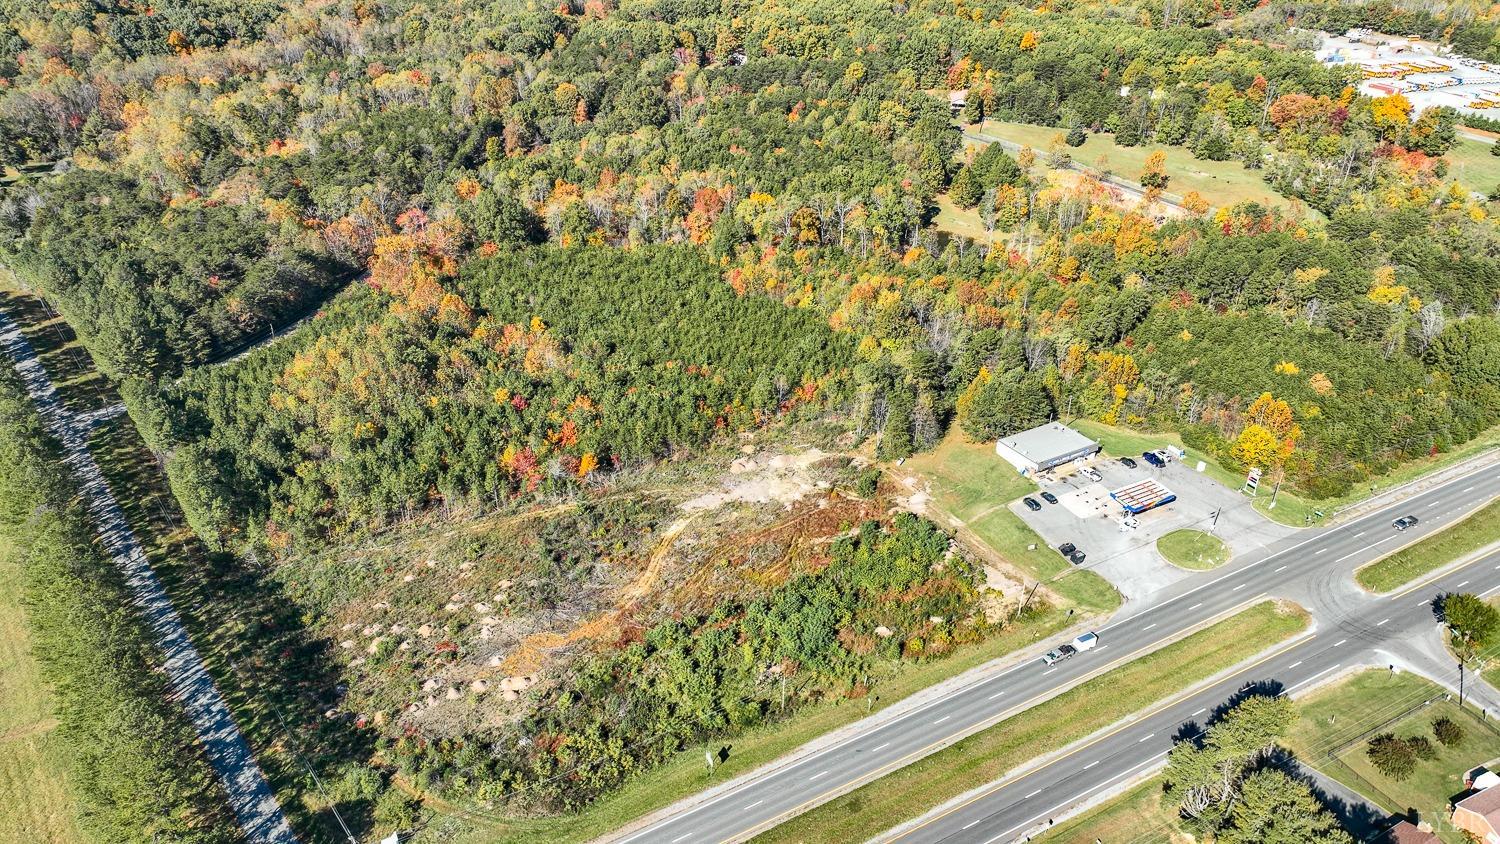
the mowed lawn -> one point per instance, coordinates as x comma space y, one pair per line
970, 482
1470, 163
1038, 728
1478, 530
35, 802
1138, 816
1193, 549
1332, 718
1220, 183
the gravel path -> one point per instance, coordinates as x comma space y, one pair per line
250, 796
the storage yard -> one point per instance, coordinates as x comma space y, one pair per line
1426, 73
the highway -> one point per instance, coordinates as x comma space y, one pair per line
1377, 633
1312, 567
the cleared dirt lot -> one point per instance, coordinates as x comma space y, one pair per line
1086, 516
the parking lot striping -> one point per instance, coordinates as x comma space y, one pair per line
941, 720
752, 805
815, 776
1380, 514
1294, 665
1378, 623
1032, 794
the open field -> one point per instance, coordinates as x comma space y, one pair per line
1193, 549
1470, 163
1036, 730
1291, 509
35, 801
1137, 816
1221, 183
1475, 532
1333, 718
972, 484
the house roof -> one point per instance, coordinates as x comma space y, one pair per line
1407, 832
1484, 803
1046, 442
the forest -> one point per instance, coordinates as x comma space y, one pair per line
132, 752
481, 259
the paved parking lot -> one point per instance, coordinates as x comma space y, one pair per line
1086, 516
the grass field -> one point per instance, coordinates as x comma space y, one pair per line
1137, 816
1471, 164
1478, 530
1332, 718
1221, 183
1193, 549
973, 484
1038, 729
35, 801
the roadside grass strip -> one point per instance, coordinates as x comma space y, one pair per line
685, 773
1139, 816
1193, 549
1334, 726
987, 756
1476, 531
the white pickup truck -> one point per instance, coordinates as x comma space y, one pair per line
1078, 645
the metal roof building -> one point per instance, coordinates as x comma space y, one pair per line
1044, 446
1143, 495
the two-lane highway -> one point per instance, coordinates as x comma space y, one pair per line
784, 791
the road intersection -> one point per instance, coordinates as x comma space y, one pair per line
1312, 568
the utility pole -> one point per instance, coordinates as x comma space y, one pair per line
1215, 523
1460, 684
1024, 603
1274, 490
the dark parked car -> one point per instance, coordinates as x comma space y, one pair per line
1150, 457
1066, 548
1127, 462
1049, 498
1031, 503
1404, 522
1077, 558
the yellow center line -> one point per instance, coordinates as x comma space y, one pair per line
1166, 703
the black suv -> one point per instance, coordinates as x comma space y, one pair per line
1404, 522
1031, 503
1049, 498
1127, 462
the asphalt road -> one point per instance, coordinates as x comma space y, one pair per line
1374, 634
1312, 567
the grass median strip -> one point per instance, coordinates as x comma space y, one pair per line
986, 756
1474, 532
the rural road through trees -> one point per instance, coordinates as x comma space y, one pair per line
250, 796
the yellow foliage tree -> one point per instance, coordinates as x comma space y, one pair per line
1257, 446
1030, 40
